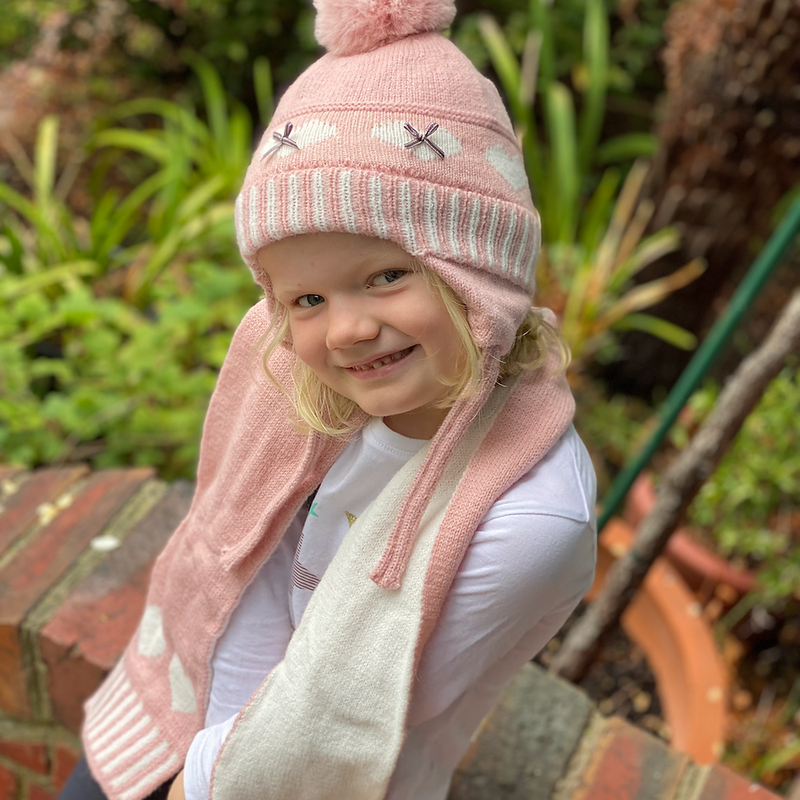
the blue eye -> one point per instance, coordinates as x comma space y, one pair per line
389, 276
310, 300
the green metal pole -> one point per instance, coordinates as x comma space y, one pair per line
766, 262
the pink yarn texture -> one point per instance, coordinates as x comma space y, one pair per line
348, 27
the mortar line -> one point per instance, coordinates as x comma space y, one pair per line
120, 525
573, 776
60, 504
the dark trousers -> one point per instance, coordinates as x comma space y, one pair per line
82, 786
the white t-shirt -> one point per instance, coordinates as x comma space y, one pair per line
529, 563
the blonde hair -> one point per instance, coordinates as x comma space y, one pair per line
320, 408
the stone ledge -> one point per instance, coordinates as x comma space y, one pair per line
67, 609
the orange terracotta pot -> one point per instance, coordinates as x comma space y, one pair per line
702, 570
665, 620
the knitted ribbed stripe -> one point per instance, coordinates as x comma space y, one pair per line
424, 219
125, 748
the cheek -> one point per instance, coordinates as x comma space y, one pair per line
307, 344
452, 345
440, 330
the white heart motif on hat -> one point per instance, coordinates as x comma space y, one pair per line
395, 133
312, 132
509, 166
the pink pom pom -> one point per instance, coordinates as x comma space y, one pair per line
347, 27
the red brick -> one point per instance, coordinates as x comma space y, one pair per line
64, 761
32, 755
44, 561
38, 793
724, 784
13, 687
8, 784
7, 471
628, 764
88, 633
19, 509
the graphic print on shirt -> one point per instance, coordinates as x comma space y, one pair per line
301, 577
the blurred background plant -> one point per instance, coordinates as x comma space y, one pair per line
749, 509
103, 238
147, 38
116, 323
593, 223
121, 150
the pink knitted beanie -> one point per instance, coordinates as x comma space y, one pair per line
393, 134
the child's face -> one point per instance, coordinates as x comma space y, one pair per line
370, 327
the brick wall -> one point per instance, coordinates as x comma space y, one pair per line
76, 549
75, 553
545, 740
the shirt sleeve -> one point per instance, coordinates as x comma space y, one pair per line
201, 757
523, 574
255, 640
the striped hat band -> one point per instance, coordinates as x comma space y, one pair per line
425, 219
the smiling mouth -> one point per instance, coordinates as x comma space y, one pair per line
382, 362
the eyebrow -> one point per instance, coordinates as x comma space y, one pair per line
378, 262
387, 259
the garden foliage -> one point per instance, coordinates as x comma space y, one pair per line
749, 505
116, 322
593, 224
119, 315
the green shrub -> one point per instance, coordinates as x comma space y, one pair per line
116, 322
749, 505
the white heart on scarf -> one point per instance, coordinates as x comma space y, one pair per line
183, 696
509, 166
312, 132
394, 133
151, 633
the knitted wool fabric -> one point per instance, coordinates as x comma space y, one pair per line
353, 147
255, 471
400, 138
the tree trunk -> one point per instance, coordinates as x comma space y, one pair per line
678, 487
730, 150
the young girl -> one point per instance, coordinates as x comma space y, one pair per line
399, 514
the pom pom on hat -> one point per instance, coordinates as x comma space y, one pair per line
348, 27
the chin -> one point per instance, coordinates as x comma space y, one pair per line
380, 410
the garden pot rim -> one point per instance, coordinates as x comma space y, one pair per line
699, 566
665, 620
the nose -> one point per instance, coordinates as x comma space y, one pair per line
349, 323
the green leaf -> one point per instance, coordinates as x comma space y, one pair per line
539, 20
45, 159
194, 202
504, 62
595, 48
148, 143
627, 147
649, 250
564, 185
41, 280
262, 82
215, 101
19, 203
660, 328
598, 210
125, 215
